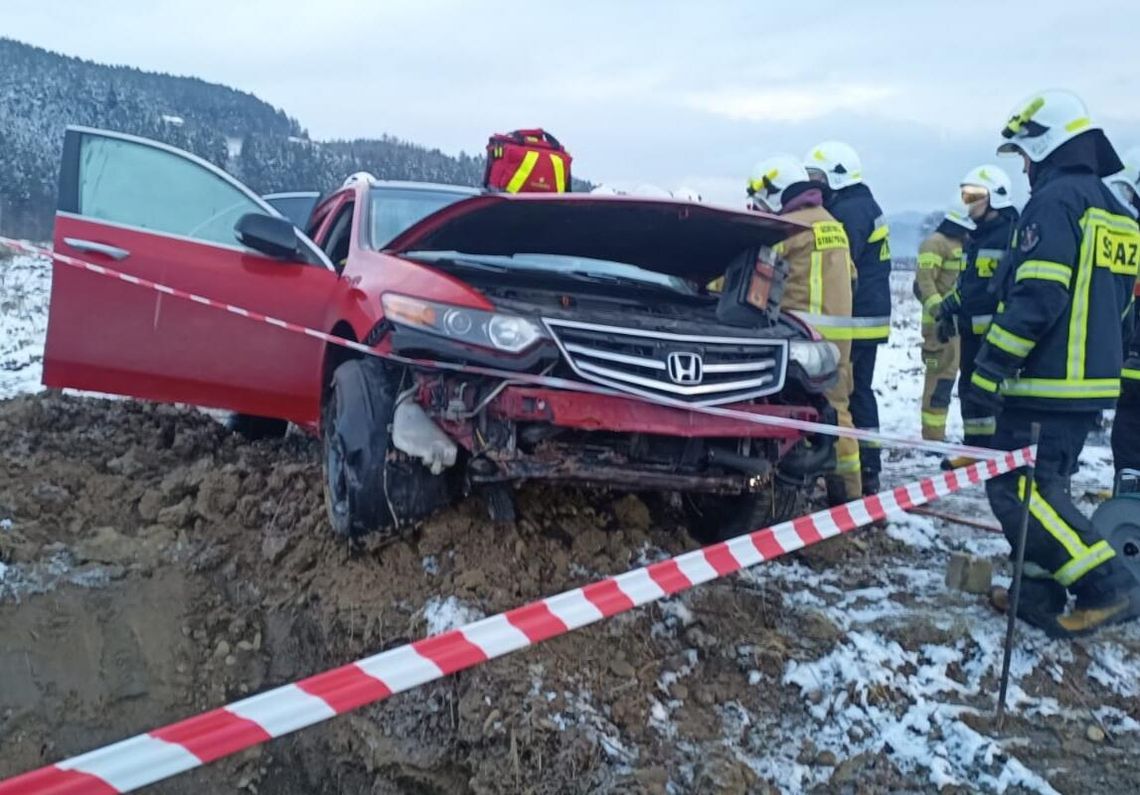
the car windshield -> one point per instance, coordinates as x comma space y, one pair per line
583, 268
395, 209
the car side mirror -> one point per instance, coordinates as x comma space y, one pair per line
268, 234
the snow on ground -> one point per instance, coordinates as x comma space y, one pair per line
25, 286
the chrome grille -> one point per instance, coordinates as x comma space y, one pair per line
697, 369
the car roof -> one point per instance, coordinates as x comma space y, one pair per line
466, 190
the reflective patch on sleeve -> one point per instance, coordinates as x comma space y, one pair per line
1117, 249
829, 234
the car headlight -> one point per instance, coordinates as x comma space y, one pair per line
509, 333
817, 358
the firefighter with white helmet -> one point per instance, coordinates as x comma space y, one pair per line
1053, 355
969, 309
817, 289
837, 166
1126, 426
940, 260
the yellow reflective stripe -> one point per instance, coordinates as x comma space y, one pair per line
929, 260
559, 172
1079, 307
955, 264
1009, 342
933, 300
844, 327
1078, 124
934, 418
979, 380
1063, 387
880, 233
980, 426
1045, 271
981, 323
1130, 374
525, 168
815, 284
848, 463
1057, 527
1098, 553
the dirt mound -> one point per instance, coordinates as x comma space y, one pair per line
153, 565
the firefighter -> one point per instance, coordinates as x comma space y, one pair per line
837, 166
940, 260
1053, 356
969, 309
817, 288
1126, 426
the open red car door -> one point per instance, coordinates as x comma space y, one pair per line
150, 210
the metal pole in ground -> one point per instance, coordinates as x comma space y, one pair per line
1018, 566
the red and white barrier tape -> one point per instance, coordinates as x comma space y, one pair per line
147, 758
876, 437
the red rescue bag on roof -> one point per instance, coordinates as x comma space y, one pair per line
527, 161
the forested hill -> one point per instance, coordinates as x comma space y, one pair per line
42, 92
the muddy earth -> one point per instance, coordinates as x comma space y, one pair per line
153, 565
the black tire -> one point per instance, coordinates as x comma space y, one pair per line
254, 428
365, 492
712, 518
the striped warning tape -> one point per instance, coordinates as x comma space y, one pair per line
147, 758
875, 437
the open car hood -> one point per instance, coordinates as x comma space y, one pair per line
691, 241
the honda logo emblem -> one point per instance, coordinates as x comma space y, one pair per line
685, 368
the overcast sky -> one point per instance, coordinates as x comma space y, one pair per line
673, 93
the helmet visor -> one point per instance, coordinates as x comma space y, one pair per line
816, 174
972, 194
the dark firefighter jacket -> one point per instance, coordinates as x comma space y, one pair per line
1056, 342
867, 234
987, 246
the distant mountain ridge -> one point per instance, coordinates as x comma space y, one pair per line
41, 92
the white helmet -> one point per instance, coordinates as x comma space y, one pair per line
1044, 121
686, 194
771, 177
605, 190
650, 191
359, 176
958, 213
995, 181
837, 162
1126, 182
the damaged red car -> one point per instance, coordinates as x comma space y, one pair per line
612, 293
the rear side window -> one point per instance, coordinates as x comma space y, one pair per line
138, 185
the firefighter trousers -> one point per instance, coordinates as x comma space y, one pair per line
1060, 539
864, 404
941, 362
979, 422
846, 450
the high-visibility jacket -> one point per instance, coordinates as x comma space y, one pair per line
818, 290
940, 260
818, 285
985, 250
1056, 343
868, 235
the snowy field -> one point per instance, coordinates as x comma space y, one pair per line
913, 666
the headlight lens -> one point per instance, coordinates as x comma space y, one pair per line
818, 359
509, 333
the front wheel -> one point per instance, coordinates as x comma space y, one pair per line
712, 518
369, 486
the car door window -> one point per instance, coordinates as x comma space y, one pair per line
339, 237
143, 186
